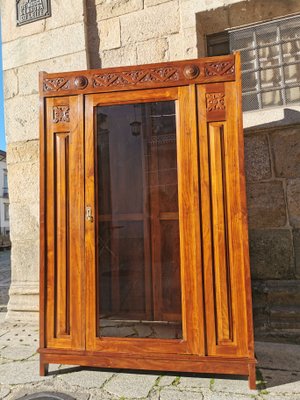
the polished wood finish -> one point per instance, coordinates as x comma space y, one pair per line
189, 260
64, 223
217, 331
212, 69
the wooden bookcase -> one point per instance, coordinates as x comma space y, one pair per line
144, 241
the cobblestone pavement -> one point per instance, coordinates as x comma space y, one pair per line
278, 375
278, 372
4, 278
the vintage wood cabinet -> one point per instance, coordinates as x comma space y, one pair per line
144, 244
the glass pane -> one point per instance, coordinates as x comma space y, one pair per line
270, 78
139, 292
266, 35
290, 29
272, 98
293, 95
248, 59
241, 40
291, 51
249, 81
292, 74
268, 56
250, 101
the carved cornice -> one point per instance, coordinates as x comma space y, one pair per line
56, 84
219, 68
136, 78
148, 76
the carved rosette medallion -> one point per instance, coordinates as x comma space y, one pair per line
61, 114
191, 71
81, 82
219, 68
215, 102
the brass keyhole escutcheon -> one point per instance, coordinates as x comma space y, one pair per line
89, 214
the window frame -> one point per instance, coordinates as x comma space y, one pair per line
252, 31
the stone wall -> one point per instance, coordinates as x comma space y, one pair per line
53, 44
273, 192
102, 33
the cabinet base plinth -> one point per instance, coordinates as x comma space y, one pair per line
154, 362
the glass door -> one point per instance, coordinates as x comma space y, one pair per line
137, 206
138, 266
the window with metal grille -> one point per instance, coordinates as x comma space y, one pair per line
270, 54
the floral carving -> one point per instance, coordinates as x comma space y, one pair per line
56, 84
215, 102
219, 68
136, 77
61, 114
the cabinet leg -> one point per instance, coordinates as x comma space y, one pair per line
252, 376
43, 368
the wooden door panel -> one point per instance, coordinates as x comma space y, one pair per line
223, 224
64, 224
159, 167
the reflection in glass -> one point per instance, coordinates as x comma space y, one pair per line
138, 230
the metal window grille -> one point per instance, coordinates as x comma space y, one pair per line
270, 55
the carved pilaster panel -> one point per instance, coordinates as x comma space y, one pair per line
215, 106
215, 102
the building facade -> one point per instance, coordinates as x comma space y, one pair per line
4, 200
83, 34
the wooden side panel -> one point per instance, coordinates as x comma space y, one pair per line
219, 216
224, 227
64, 223
61, 160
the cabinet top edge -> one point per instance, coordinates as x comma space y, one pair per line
147, 76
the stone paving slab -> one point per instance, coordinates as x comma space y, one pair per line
137, 386
278, 375
168, 394
87, 379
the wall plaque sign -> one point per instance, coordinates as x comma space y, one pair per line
32, 10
